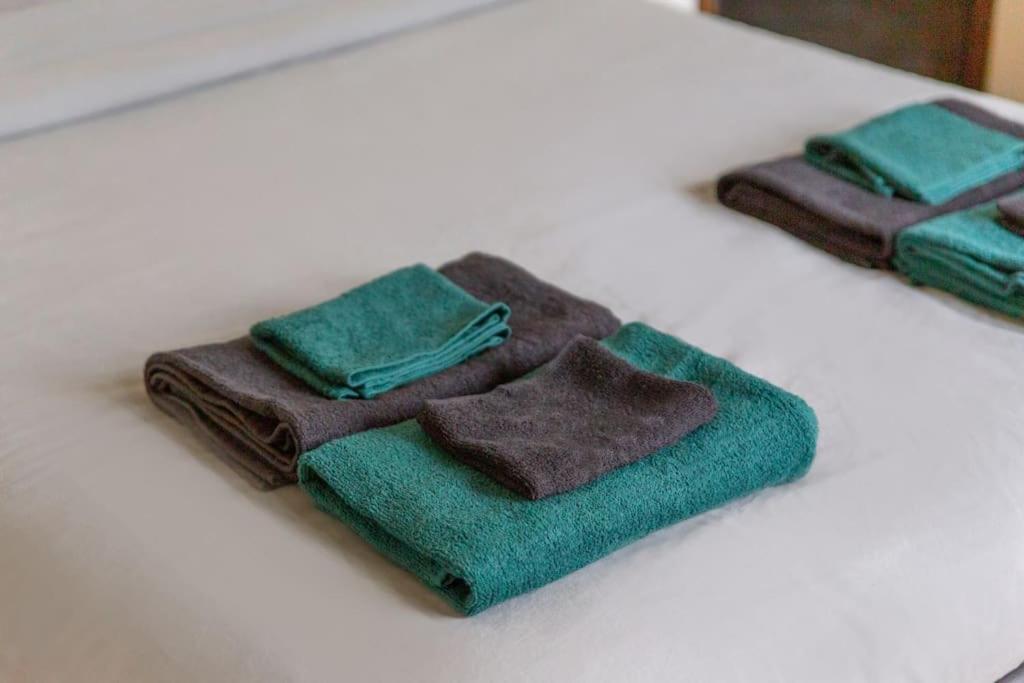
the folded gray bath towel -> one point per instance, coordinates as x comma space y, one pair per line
260, 418
582, 415
845, 219
1011, 212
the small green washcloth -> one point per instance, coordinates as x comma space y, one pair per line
969, 254
922, 152
401, 327
477, 543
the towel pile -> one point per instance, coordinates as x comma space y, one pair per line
913, 190
970, 254
477, 543
260, 417
852, 193
535, 448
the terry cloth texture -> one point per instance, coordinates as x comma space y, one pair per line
260, 418
968, 254
477, 543
585, 413
1011, 212
842, 218
922, 152
406, 325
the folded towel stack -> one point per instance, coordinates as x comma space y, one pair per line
478, 543
402, 327
823, 198
260, 418
970, 254
632, 433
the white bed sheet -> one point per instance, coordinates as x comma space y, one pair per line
63, 60
580, 139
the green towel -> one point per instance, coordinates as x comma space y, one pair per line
923, 152
477, 543
969, 254
401, 327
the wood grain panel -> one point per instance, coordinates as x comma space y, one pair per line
944, 39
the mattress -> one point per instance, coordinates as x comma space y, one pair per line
581, 140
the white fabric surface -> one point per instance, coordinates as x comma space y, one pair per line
67, 59
580, 139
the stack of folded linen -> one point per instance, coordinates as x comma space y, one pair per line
265, 400
913, 190
535, 449
853, 192
971, 254
632, 435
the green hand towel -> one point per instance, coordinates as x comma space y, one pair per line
477, 543
401, 327
923, 152
969, 254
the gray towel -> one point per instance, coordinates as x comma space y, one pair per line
842, 218
582, 415
1011, 212
260, 418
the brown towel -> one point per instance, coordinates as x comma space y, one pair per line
260, 418
842, 218
582, 415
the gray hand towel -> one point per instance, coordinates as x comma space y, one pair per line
260, 418
582, 415
1011, 212
842, 218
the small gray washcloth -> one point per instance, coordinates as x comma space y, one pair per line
582, 415
260, 419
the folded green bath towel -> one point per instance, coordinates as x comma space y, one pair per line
401, 327
969, 254
922, 152
477, 543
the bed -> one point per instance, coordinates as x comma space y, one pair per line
582, 140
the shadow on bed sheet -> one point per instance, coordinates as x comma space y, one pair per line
1015, 676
